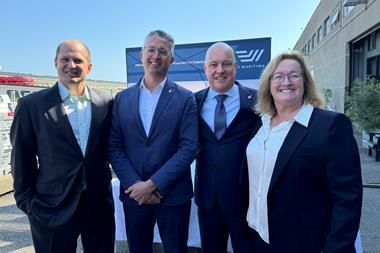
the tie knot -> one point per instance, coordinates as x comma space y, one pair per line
220, 98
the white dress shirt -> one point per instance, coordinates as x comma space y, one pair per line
147, 103
78, 110
262, 153
231, 104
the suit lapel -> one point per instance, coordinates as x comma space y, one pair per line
296, 134
201, 97
246, 103
57, 113
134, 108
98, 113
246, 98
165, 97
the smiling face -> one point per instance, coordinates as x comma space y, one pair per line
220, 67
72, 63
156, 57
287, 93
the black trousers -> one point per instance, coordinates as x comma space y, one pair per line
215, 227
259, 245
99, 237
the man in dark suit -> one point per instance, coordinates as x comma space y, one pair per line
153, 141
59, 163
225, 127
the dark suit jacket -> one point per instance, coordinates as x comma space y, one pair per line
165, 155
315, 194
221, 174
48, 166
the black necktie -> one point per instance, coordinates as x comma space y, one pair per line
220, 124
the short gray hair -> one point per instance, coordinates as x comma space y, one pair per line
162, 34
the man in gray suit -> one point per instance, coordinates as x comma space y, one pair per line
59, 165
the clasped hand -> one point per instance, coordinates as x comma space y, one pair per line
144, 192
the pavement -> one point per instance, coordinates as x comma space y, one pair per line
15, 232
370, 221
5, 184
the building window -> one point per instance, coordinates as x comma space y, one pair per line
372, 67
319, 34
13, 95
326, 26
335, 19
313, 41
372, 41
347, 10
357, 61
365, 58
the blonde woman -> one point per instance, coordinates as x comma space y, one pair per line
303, 165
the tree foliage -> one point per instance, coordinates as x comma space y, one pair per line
363, 104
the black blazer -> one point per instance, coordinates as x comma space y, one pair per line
220, 172
48, 166
315, 194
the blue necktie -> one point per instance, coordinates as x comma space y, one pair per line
220, 124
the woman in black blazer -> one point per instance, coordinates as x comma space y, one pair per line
304, 167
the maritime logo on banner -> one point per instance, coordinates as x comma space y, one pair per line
253, 55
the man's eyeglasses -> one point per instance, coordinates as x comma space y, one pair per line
152, 51
280, 77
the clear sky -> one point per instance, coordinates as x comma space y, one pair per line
30, 30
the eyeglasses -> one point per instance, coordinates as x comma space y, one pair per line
152, 51
280, 77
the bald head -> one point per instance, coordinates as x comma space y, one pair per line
220, 46
220, 67
74, 43
72, 62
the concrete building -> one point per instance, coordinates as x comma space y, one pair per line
341, 43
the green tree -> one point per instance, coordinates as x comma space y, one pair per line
363, 104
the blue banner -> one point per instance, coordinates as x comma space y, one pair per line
252, 56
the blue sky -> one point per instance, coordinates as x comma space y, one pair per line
31, 30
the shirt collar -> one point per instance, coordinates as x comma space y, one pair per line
234, 91
302, 116
160, 86
66, 94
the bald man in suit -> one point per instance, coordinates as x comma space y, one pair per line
226, 122
59, 162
